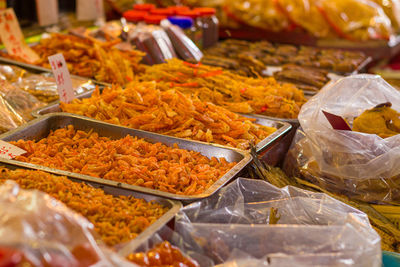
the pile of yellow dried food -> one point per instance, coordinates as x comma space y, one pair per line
128, 160
90, 58
141, 106
237, 93
115, 219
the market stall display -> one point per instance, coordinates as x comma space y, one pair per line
126, 158
264, 96
38, 230
89, 58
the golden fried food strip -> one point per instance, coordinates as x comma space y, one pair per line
128, 160
224, 88
115, 219
142, 106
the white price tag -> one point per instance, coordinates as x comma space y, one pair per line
9, 151
12, 37
89, 9
63, 79
47, 11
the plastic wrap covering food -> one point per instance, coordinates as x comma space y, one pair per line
356, 19
263, 14
360, 165
12, 73
22, 102
392, 10
44, 87
9, 118
37, 230
306, 14
309, 229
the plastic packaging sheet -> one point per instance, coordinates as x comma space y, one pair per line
9, 118
232, 228
362, 166
38, 229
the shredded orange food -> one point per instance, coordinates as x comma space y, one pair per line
115, 219
237, 93
90, 58
128, 160
141, 106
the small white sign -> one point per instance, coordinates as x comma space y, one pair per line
12, 37
89, 9
63, 78
9, 151
47, 12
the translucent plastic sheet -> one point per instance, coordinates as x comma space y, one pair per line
37, 229
9, 118
232, 228
359, 165
356, 19
21, 101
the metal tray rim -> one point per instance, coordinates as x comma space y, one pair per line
247, 158
174, 206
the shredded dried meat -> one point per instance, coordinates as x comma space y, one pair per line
115, 219
141, 106
128, 160
237, 93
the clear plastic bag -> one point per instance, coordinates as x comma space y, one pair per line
233, 228
37, 229
356, 19
362, 166
9, 118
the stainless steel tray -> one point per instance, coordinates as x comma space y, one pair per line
41, 127
174, 206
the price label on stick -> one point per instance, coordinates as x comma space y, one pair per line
9, 151
337, 122
63, 79
12, 37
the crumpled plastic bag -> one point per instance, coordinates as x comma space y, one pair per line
232, 228
37, 229
362, 166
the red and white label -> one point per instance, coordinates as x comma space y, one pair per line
47, 12
63, 78
8, 151
89, 9
12, 37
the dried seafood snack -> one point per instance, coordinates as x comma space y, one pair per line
128, 160
237, 93
115, 219
142, 106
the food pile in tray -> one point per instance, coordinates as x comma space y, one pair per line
237, 93
128, 160
89, 58
142, 106
306, 67
117, 219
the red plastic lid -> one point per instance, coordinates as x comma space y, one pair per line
176, 9
134, 15
204, 11
144, 7
162, 11
188, 13
154, 19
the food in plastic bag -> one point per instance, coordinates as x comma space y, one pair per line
356, 19
392, 10
313, 229
21, 101
380, 120
12, 73
115, 224
306, 14
359, 165
38, 230
262, 14
9, 118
